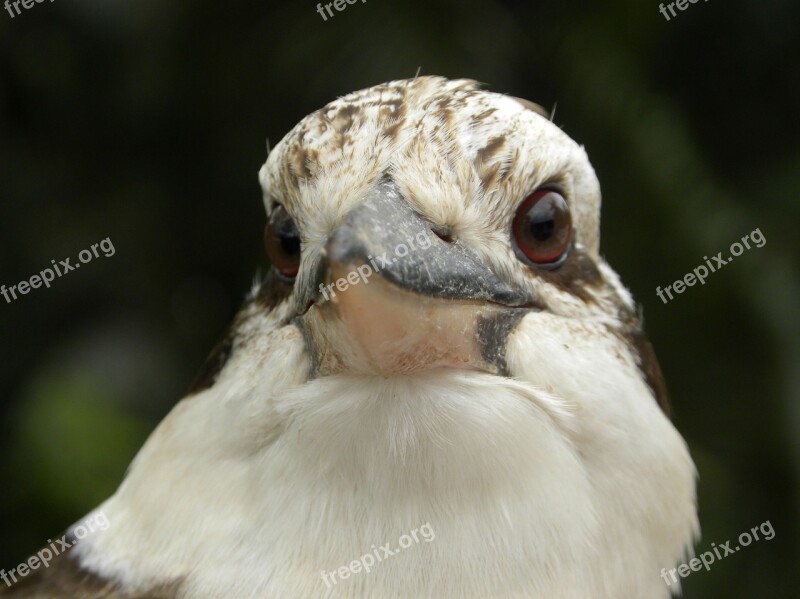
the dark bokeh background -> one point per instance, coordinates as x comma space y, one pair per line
146, 121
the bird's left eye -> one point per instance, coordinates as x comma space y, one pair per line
282, 241
542, 228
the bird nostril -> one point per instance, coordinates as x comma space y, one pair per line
444, 234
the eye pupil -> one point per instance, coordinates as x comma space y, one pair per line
542, 228
282, 241
289, 239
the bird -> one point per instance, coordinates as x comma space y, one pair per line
440, 388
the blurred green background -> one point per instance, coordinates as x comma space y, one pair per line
146, 122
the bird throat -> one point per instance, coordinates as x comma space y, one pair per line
374, 327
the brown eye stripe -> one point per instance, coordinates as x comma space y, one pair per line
273, 292
577, 276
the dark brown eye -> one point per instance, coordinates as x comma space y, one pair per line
542, 228
282, 240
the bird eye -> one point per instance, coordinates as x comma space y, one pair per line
542, 228
282, 240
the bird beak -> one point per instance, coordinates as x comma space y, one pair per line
385, 226
401, 298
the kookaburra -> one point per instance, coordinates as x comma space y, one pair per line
491, 380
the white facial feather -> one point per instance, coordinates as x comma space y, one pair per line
562, 480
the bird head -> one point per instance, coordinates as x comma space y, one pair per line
415, 225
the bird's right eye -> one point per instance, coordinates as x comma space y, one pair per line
282, 241
542, 229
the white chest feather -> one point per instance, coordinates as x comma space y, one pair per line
242, 493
